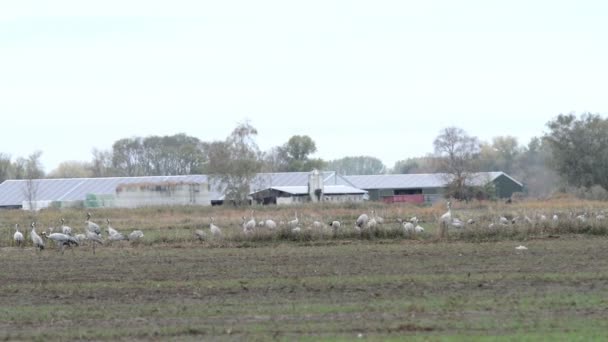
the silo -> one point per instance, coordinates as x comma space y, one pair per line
315, 186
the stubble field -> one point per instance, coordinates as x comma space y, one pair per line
172, 287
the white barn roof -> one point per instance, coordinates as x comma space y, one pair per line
327, 190
14, 193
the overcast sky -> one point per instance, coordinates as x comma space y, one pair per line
378, 78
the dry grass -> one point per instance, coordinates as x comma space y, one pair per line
176, 225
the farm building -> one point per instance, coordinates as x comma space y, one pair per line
320, 187
130, 192
126, 192
428, 187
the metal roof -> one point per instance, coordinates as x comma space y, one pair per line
419, 180
266, 180
327, 190
14, 192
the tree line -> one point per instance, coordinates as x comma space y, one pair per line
571, 156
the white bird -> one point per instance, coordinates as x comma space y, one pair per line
215, 230
62, 240
555, 218
294, 223
248, 226
456, 223
65, 229
361, 221
111, 230
80, 237
408, 226
335, 225
296, 230
542, 217
521, 248
581, 218
317, 225
503, 220
92, 226
270, 224
446, 218
600, 217
113, 234
415, 229
136, 235
372, 223
200, 234
378, 219
470, 221
94, 237
36, 239
18, 236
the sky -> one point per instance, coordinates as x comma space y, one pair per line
378, 78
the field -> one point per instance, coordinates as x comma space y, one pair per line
472, 285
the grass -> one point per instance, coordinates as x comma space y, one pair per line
432, 291
315, 285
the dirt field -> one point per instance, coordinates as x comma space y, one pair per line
376, 290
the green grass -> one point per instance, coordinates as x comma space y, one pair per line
383, 289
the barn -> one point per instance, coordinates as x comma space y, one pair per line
427, 187
131, 192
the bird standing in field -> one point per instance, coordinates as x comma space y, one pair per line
92, 226
61, 240
18, 236
248, 226
113, 234
36, 239
270, 224
294, 223
200, 234
215, 230
361, 222
65, 229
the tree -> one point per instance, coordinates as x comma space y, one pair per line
235, 162
177, 154
457, 152
427, 164
294, 156
532, 165
579, 149
500, 155
101, 165
361, 165
72, 169
30, 169
7, 170
128, 157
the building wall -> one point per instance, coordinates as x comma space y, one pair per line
505, 187
162, 194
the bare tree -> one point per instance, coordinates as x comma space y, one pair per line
32, 170
235, 162
457, 151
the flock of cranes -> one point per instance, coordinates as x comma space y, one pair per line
92, 232
65, 237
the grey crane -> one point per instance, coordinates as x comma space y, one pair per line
62, 240
65, 229
36, 239
92, 226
